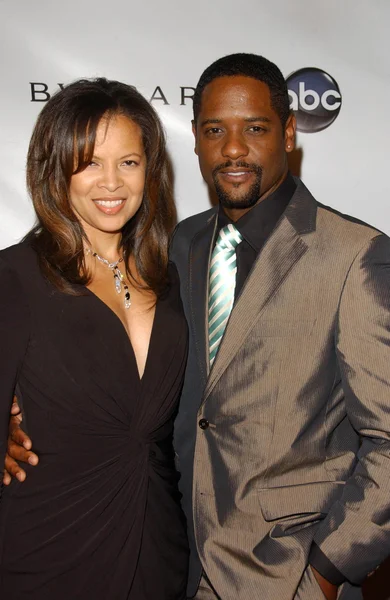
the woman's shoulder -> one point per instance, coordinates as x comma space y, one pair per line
20, 257
173, 279
19, 266
15, 306
173, 288
173, 275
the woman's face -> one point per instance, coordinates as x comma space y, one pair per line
108, 193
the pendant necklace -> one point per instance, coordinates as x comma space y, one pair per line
119, 280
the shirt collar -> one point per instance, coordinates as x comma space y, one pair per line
257, 224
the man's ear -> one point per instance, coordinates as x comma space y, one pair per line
289, 133
195, 136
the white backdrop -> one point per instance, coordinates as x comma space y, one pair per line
168, 44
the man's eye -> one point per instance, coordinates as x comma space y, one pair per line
213, 130
257, 129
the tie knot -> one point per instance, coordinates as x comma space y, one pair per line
229, 237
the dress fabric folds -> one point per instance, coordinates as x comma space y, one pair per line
99, 517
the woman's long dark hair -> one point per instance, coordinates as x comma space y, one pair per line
64, 136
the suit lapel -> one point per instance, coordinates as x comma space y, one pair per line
280, 254
198, 283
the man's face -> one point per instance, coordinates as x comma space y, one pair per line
240, 142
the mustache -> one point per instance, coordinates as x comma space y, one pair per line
237, 165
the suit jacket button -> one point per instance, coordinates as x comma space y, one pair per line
203, 423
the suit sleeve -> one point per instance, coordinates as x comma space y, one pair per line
355, 536
14, 334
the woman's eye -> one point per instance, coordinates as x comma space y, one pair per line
129, 163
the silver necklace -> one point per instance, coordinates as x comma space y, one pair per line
119, 280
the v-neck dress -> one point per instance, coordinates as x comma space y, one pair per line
99, 517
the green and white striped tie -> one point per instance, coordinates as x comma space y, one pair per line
222, 283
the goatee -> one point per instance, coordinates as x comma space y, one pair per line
248, 199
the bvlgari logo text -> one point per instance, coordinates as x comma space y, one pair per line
39, 92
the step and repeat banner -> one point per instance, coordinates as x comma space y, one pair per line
335, 56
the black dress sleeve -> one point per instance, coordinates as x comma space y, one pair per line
14, 335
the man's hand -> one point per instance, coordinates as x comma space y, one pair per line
328, 589
19, 448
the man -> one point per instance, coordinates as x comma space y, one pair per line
283, 434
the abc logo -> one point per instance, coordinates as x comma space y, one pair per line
315, 99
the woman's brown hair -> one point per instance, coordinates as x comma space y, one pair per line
64, 136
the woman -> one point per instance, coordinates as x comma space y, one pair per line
86, 302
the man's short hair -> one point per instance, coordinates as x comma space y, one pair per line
248, 65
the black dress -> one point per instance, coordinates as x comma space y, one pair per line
99, 517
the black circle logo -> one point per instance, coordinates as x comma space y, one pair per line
315, 99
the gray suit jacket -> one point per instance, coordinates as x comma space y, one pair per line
297, 403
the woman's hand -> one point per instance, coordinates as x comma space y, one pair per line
328, 589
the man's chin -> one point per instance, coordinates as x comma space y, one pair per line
239, 197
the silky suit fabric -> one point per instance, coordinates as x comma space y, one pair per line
298, 444
100, 517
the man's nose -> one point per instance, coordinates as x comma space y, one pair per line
235, 146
